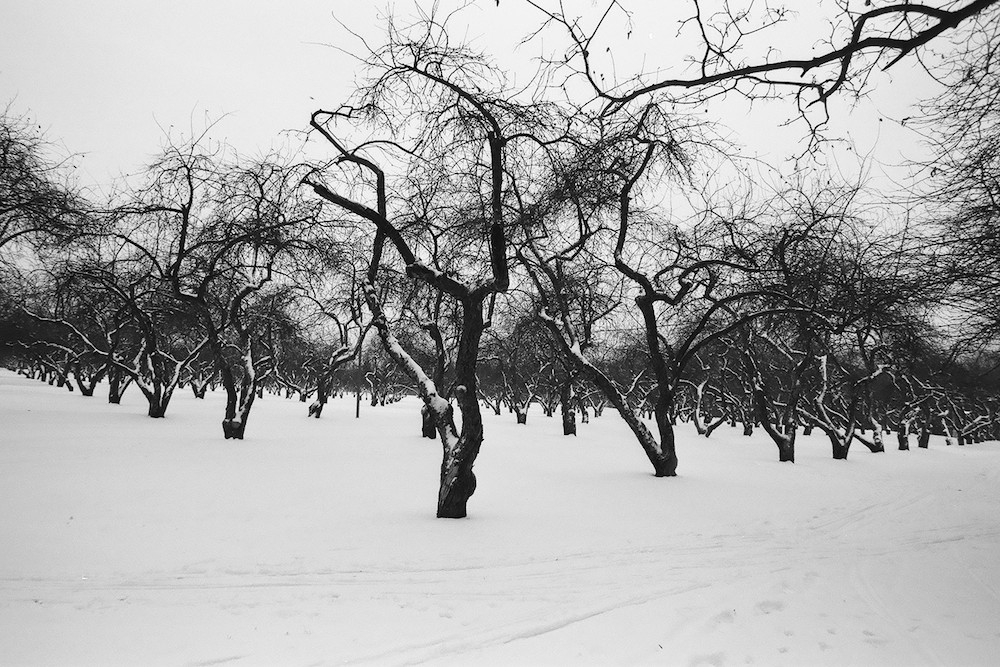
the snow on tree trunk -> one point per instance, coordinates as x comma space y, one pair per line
316, 407
877, 436
117, 384
903, 435
710, 428
235, 427
875, 446
696, 415
158, 399
662, 454
946, 427
457, 482
522, 413
87, 385
841, 444
783, 435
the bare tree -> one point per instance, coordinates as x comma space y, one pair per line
216, 233
447, 142
690, 285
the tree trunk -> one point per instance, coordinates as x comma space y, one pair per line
877, 437
229, 421
235, 425
662, 454
786, 448
458, 482
875, 446
783, 438
158, 400
88, 385
903, 435
117, 384
199, 386
666, 463
316, 407
233, 428
566, 408
841, 444
522, 414
710, 428
949, 440
428, 425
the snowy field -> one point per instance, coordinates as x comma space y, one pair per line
131, 541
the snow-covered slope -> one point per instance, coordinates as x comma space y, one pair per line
132, 541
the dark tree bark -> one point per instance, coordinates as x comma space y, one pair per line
903, 435
568, 412
458, 482
782, 435
118, 382
428, 425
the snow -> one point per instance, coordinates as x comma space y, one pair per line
137, 541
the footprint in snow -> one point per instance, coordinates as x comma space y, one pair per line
768, 606
726, 617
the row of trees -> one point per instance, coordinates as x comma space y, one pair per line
508, 244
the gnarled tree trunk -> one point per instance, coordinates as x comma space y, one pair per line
458, 482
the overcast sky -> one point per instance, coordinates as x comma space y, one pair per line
105, 78
102, 76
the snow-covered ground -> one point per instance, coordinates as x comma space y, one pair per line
132, 541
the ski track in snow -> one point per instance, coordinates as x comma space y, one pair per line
302, 548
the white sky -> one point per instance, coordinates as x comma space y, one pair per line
104, 78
